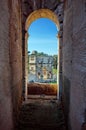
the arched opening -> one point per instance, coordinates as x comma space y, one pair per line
42, 59
42, 13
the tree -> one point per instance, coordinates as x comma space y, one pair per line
55, 61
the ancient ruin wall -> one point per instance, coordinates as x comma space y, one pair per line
74, 62
5, 86
16, 55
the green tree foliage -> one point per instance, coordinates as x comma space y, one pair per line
41, 54
55, 61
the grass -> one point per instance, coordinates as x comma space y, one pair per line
53, 83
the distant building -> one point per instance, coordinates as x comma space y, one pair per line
40, 67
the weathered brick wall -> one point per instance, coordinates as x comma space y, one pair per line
16, 55
10, 62
67, 57
74, 62
5, 86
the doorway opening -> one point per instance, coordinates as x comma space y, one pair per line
41, 56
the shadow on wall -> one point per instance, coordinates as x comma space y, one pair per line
84, 126
66, 99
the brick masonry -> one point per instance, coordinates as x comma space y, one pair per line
6, 120
10, 62
16, 56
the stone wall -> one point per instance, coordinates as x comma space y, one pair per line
74, 62
6, 121
10, 62
67, 57
16, 55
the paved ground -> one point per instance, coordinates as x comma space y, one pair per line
41, 114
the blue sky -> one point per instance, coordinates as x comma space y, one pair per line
43, 36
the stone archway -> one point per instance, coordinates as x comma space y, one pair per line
52, 7
41, 13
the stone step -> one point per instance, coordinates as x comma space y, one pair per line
41, 116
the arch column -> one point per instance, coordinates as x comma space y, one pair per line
26, 64
60, 39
